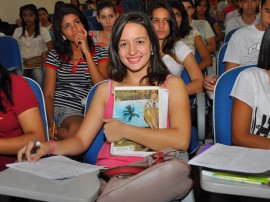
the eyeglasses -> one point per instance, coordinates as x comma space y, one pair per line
188, 7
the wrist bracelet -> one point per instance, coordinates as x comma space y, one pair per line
52, 143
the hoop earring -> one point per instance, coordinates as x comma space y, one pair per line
152, 53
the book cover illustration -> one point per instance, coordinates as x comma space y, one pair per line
138, 107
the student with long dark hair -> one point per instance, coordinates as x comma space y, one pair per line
202, 26
72, 68
175, 54
44, 18
202, 12
20, 119
106, 16
190, 36
76, 3
35, 43
135, 61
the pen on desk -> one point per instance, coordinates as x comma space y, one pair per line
250, 179
35, 147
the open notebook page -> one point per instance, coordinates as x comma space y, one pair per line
55, 167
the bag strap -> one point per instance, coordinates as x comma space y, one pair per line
139, 166
121, 171
158, 157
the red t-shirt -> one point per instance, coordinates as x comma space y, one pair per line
24, 99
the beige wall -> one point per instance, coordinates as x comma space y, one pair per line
9, 9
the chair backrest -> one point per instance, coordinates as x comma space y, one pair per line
130, 4
84, 6
220, 57
185, 77
52, 36
88, 12
93, 23
229, 35
10, 55
90, 155
38, 92
198, 132
222, 105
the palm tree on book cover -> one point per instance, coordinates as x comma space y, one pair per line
128, 113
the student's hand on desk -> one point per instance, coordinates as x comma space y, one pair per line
112, 130
25, 152
209, 82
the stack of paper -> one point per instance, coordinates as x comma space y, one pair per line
55, 167
233, 158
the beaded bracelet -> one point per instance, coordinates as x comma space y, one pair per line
52, 143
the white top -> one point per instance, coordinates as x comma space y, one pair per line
30, 46
189, 39
231, 15
48, 27
244, 46
204, 28
237, 22
181, 50
252, 87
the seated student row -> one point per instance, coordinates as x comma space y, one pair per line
69, 122
244, 45
59, 39
50, 83
133, 39
72, 125
122, 48
247, 15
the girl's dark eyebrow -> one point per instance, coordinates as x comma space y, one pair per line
160, 18
140, 37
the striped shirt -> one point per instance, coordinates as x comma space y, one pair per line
73, 82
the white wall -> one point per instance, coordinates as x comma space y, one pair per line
9, 9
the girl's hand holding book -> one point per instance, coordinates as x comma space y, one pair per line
113, 130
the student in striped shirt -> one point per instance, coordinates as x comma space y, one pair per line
72, 68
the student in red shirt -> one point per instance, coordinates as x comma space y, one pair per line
20, 119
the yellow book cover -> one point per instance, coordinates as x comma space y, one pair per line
142, 106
